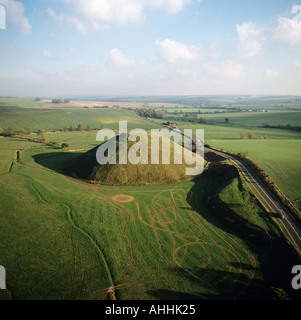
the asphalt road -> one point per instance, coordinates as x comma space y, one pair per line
288, 222
274, 205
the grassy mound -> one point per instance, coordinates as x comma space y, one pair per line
86, 167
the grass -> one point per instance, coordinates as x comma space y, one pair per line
244, 204
57, 119
279, 158
277, 151
87, 167
246, 119
62, 238
20, 103
231, 133
66, 239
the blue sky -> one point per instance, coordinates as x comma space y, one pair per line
68, 48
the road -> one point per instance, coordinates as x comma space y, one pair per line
274, 205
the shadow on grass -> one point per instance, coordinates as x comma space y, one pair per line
275, 257
213, 284
56, 161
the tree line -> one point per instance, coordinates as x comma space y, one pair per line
287, 127
27, 133
151, 113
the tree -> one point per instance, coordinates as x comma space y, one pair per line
27, 131
242, 135
227, 120
80, 127
37, 99
57, 101
243, 154
251, 135
40, 134
88, 127
71, 128
65, 146
8, 132
65, 129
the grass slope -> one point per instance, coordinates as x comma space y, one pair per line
56, 119
280, 159
64, 239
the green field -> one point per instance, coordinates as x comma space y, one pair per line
20, 103
243, 119
280, 159
63, 238
57, 119
277, 151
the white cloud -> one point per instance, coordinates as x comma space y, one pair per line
119, 59
171, 6
15, 15
172, 51
271, 74
56, 37
251, 39
227, 69
123, 11
70, 21
111, 10
54, 16
297, 63
101, 13
50, 55
288, 31
47, 54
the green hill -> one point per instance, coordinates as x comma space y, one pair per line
86, 167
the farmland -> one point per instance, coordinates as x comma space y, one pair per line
276, 150
280, 159
56, 119
57, 236
64, 238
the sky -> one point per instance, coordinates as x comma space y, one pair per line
68, 48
